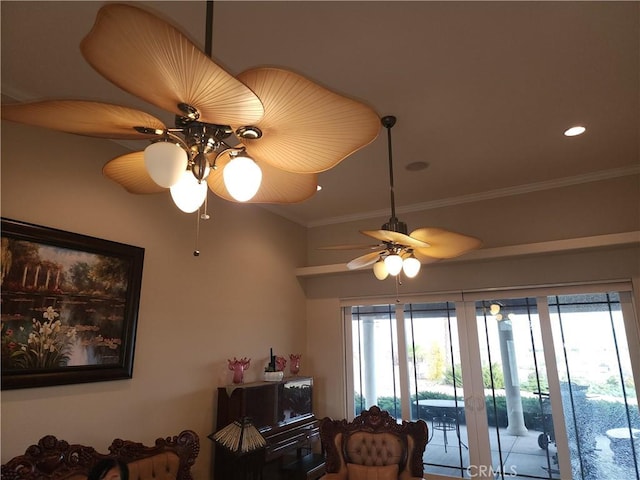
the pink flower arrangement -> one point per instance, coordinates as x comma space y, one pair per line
238, 367
294, 367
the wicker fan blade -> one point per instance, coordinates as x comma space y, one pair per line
129, 171
395, 237
277, 185
424, 259
354, 246
151, 59
444, 243
93, 119
306, 128
364, 260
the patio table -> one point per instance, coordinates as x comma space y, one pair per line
443, 409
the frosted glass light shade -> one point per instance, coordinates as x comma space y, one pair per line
242, 177
188, 194
393, 264
411, 266
380, 270
165, 162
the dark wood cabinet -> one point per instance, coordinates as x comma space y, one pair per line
283, 413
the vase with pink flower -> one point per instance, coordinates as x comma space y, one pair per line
294, 366
238, 367
281, 363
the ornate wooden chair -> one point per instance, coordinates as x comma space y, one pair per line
171, 458
374, 445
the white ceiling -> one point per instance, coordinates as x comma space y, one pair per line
482, 90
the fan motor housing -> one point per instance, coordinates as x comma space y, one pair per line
395, 225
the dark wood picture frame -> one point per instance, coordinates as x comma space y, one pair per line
69, 306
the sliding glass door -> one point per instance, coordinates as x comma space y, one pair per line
513, 386
596, 384
516, 388
435, 383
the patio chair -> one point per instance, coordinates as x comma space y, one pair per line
445, 424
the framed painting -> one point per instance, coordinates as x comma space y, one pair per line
69, 306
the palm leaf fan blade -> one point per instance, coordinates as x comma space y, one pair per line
151, 59
444, 243
396, 238
306, 128
364, 260
129, 171
277, 186
354, 246
424, 259
93, 119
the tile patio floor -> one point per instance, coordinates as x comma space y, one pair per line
522, 457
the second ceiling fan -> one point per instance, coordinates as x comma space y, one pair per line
397, 250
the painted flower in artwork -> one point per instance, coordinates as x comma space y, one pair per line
9, 343
48, 344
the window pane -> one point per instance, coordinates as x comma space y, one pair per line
375, 360
516, 389
598, 393
435, 382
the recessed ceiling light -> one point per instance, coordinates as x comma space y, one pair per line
416, 166
573, 131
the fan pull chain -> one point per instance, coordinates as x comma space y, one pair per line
203, 216
196, 252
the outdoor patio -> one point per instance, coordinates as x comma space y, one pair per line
521, 455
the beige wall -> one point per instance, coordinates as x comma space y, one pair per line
239, 298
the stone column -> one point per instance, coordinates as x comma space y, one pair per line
370, 390
515, 415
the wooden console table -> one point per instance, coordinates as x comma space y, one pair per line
282, 412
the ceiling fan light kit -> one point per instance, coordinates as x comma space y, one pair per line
188, 193
260, 137
165, 162
393, 262
399, 252
380, 269
411, 266
242, 176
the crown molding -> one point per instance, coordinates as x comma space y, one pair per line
487, 195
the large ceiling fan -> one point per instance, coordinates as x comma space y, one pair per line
399, 251
224, 125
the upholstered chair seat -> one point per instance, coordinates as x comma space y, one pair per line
373, 447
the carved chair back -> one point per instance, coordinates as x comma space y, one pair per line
171, 458
373, 439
